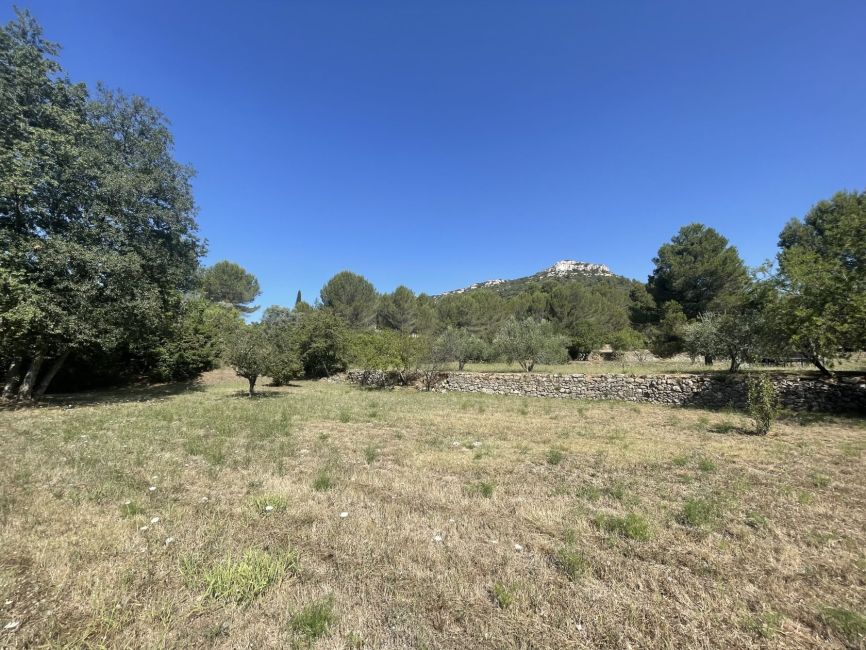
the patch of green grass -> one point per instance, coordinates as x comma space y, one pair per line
616, 491
269, 503
820, 480
131, 509
481, 489
765, 625
344, 416
631, 526
503, 596
313, 621
588, 492
371, 453
849, 625
680, 460
697, 512
756, 520
555, 457
323, 481
242, 580
706, 465
571, 562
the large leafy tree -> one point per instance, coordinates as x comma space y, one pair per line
822, 278
97, 223
397, 310
698, 269
351, 297
231, 284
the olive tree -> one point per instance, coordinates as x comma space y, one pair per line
529, 342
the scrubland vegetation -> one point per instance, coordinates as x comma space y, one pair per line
325, 514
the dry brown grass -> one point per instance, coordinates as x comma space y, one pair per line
426, 556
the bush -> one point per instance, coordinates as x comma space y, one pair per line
322, 343
529, 342
763, 403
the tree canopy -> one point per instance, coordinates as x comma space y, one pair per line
229, 283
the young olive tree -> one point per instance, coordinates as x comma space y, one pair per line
459, 346
529, 342
249, 354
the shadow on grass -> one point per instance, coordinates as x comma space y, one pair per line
258, 395
124, 394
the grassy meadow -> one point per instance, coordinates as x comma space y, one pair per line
325, 515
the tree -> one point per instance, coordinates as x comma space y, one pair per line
822, 280
280, 327
322, 343
249, 354
97, 220
666, 339
229, 283
298, 299
738, 336
529, 342
350, 297
196, 341
698, 269
375, 351
397, 310
458, 346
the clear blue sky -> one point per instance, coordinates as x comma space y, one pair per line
436, 144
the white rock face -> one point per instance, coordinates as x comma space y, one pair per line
567, 267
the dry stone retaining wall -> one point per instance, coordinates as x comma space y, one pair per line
847, 394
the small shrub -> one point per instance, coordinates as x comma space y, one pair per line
313, 621
849, 625
322, 482
370, 454
242, 580
502, 595
571, 562
481, 489
763, 403
706, 465
681, 460
765, 625
632, 526
555, 457
697, 512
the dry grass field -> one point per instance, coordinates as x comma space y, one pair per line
325, 515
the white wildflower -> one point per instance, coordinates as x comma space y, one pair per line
154, 520
143, 528
437, 538
152, 488
476, 444
579, 627
343, 515
12, 625
127, 502
518, 547
204, 499
168, 540
268, 508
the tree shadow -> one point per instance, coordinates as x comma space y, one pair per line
119, 395
258, 395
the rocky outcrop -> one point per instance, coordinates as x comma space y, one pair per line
847, 394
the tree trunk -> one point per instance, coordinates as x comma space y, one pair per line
821, 367
12, 378
735, 364
252, 381
49, 376
461, 364
26, 390
708, 360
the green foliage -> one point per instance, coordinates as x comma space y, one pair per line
698, 269
502, 595
626, 339
323, 481
313, 621
822, 279
481, 489
98, 228
458, 345
763, 402
376, 350
197, 341
697, 512
571, 562
352, 298
397, 310
667, 338
555, 457
242, 580
322, 343
848, 624
631, 526
249, 353
529, 342
229, 283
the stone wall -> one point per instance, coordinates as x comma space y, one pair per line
847, 394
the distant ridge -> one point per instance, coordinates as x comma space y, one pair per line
563, 269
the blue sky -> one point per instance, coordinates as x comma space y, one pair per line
435, 144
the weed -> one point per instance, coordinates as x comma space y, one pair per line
697, 512
481, 489
555, 457
269, 503
765, 625
313, 621
680, 460
503, 596
323, 481
242, 580
631, 526
820, 480
370, 454
571, 562
849, 625
706, 465
130, 509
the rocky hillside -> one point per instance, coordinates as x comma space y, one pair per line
562, 270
